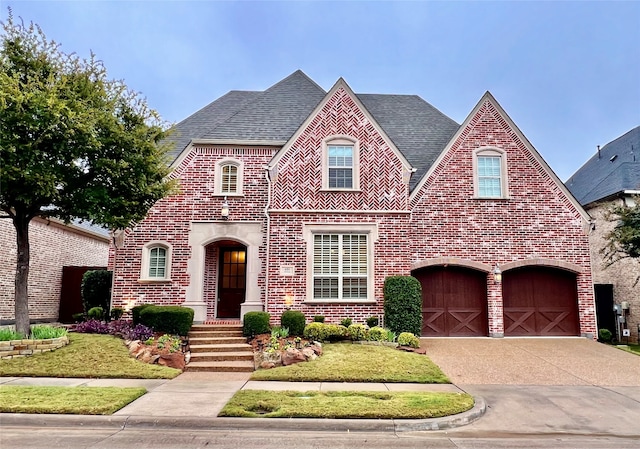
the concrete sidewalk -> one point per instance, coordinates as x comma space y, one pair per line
194, 399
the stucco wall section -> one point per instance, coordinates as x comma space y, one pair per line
621, 274
53, 246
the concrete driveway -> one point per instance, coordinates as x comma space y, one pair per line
533, 361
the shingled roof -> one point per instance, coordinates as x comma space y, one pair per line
416, 128
612, 170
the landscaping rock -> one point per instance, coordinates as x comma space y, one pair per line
317, 348
267, 365
173, 360
291, 356
309, 354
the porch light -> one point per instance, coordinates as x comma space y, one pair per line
224, 212
497, 274
288, 300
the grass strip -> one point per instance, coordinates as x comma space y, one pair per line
634, 349
86, 355
345, 404
67, 400
346, 362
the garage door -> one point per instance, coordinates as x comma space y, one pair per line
540, 301
454, 301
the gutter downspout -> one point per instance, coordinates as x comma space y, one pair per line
268, 238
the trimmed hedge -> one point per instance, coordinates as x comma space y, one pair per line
408, 339
173, 320
325, 332
135, 313
255, 323
294, 321
403, 304
358, 332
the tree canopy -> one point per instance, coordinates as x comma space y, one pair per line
73, 143
623, 241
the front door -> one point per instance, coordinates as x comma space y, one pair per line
231, 281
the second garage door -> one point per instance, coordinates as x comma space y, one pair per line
540, 301
454, 301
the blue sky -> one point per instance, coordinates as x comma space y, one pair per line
568, 73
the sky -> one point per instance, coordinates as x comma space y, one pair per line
567, 73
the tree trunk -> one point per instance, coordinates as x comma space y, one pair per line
21, 224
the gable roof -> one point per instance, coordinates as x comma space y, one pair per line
417, 129
614, 169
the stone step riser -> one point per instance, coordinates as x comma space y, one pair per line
225, 367
217, 341
215, 334
220, 348
210, 327
221, 356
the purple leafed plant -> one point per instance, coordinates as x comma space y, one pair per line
139, 332
93, 327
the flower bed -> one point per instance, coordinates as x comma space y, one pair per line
21, 348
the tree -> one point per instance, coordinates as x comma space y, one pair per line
73, 144
623, 241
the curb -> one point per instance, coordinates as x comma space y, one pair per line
288, 424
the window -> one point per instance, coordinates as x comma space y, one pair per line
490, 174
340, 163
228, 175
156, 262
339, 266
340, 262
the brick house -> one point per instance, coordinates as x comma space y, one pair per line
296, 197
612, 176
60, 254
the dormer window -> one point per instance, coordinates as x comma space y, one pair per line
340, 163
229, 174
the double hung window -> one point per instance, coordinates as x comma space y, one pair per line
340, 266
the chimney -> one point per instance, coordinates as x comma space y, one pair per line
599, 152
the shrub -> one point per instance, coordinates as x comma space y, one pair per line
96, 313
403, 304
377, 333
605, 335
174, 320
255, 323
357, 332
92, 326
346, 322
116, 313
138, 332
408, 339
135, 312
78, 317
318, 319
294, 321
373, 321
391, 336
42, 332
280, 332
325, 332
96, 289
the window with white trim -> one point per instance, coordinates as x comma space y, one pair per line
156, 262
340, 266
340, 163
229, 174
490, 173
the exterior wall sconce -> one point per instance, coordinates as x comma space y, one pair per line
288, 300
224, 212
497, 274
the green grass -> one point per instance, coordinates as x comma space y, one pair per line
345, 404
67, 400
87, 355
635, 349
346, 362
42, 332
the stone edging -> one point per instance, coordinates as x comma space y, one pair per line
21, 348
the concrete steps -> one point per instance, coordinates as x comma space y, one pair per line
219, 348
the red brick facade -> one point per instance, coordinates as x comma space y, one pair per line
53, 246
538, 224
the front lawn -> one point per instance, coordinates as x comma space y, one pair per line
346, 362
345, 404
86, 355
635, 349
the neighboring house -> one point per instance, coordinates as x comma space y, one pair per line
294, 197
612, 177
58, 251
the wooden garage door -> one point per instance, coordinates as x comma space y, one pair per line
540, 301
454, 301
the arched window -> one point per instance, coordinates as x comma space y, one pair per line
229, 174
490, 173
156, 262
340, 160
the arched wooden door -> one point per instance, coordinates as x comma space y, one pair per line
454, 301
540, 301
